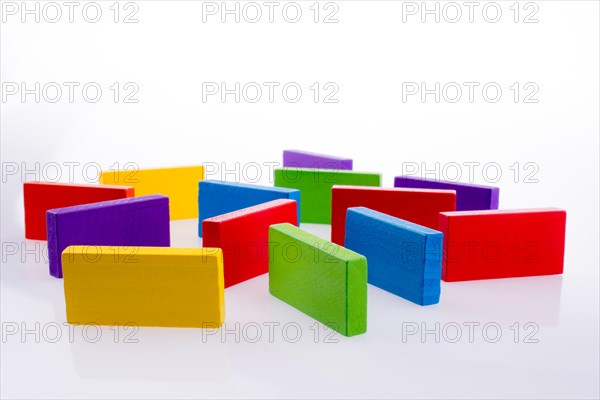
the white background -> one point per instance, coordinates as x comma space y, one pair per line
368, 54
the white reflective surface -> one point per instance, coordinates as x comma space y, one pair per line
511, 337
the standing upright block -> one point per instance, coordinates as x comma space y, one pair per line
319, 278
180, 184
136, 221
244, 235
404, 258
304, 159
502, 244
217, 197
40, 197
315, 188
144, 286
468, 195
419, 206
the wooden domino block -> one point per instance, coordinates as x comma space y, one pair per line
502, 244
244, 235
468, 196
315, 188
304, 159
217, 197
144, 286
40, 197
180, 184
404, 258
319, 278
136, 221
419, 206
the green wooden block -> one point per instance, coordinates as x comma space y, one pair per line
315, 188
323, 280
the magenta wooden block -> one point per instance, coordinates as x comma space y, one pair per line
135, 221
304, 159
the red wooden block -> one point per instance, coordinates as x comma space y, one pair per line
40, 197
243, 236
502, 244
420, 206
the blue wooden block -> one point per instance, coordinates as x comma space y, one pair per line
218, 197
404, 258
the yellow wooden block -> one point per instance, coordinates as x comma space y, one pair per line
144, 286
179, 183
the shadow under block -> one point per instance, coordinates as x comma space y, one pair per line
305, 159
217, 197
144, 286
180, 184
502, 244
404, 258
244, 235
136, 221
315, 188
321, 279
420, 206
40, 197
468, 195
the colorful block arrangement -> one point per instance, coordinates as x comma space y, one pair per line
144, 286
244, 237
119, 269
40, 197
179, 184
468, 195
217, 197
415, 205
404, 258
319, 278
137, 221
315, 188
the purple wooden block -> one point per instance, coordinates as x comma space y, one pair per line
135, 221
468, 196
304, 159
